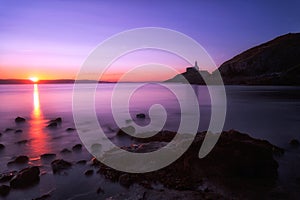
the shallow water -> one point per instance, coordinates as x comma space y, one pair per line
266, 112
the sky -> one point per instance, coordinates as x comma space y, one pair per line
52, 39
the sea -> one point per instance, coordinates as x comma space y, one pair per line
265, 112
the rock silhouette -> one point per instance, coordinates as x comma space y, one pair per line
60, 165
26, 177
20, 119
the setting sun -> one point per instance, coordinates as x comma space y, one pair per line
34, 79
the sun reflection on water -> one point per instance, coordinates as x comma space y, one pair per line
39, 143
36, 103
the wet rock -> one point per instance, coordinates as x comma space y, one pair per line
123, 131
65, 150
20, 160
60, 165
18, 131
294, 143
43, 197
236, 156
125, 180
89, 172
163, 136
109, 173
8, 130
4, 190
70, 129
57, 120
100, 190
2, 146
77, 147
4, 177
0, 134
141, 116
48, 156
20, 120
81, 162
95, 162
22, 142
26, 177
52, 125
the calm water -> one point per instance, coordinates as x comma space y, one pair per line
265, 112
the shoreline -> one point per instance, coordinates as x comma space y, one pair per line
211, 181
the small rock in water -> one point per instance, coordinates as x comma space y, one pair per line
77, 147
8, 130
48, 156
100, 190
294, 143
22, 142
52, 125
60, 165
89, 172
20, 119
65, 150
81, 162
20, 160
70, 129
2, 146
7, 176
57, 120
26, 177
18, 131
141, 116
4, 190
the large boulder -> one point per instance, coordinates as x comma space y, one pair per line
26, 177
236, 156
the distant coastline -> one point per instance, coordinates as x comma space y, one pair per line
56, 81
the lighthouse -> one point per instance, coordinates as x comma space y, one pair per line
196, 66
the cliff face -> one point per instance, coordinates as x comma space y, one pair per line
275, 62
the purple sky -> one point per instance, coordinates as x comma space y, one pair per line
51, 39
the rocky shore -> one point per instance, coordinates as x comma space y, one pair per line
239, 167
